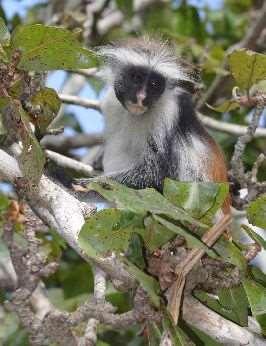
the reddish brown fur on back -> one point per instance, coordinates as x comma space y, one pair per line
218, 170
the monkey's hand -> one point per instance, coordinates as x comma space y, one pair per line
85, 181
99, 179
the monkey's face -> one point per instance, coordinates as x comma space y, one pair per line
138, 88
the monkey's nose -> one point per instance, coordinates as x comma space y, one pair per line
141, 96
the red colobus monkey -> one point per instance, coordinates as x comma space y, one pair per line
151, 127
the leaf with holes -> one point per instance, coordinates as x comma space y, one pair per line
110, 230
32, 158
49, 103
45, 48
247, 67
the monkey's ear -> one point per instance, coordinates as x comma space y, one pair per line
188, 86
109, 53
190, 77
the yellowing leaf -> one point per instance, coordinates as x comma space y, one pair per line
247, 67
226, 106
256, 212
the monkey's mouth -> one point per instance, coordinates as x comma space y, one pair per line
135, 108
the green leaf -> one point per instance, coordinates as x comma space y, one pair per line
135, 251
178, 337
256, 212
156, 234
256, 294
203, 338
200, 200
230, 253
4, 203
235, 299
3, 55
45, 48
110, 230
188, 22
141, 201
4, 33
214, 304
191, 240
125, 6
226, 106
147, 282
247, 67
154, 334
255, 236
32, 159
258, 275
49, 103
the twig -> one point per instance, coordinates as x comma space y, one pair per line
75, 100
254, 172
90, 336
67, 162
63, 144
73, 85
193, 257
231, 129
88, 73
238, 171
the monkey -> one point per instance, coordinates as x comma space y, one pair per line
151, 127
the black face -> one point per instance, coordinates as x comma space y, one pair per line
137, 88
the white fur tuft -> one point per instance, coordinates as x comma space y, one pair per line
162, 59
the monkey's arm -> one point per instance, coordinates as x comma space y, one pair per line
138, 177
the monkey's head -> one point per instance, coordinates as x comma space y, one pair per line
142, 70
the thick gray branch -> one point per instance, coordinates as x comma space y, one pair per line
220, 329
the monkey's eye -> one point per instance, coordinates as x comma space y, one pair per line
154, 84
136, 77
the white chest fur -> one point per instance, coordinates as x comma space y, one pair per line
126, 138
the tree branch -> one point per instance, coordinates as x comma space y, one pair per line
78, 101
238, 171
67, 162
63, 212
63, 144
220, 329
232, 129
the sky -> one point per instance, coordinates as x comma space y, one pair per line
12, 6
